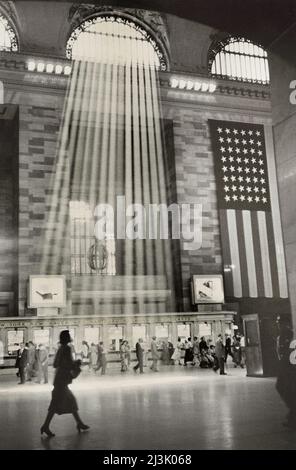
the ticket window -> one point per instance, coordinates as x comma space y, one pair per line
205, 329
92, 335
115, 335
14, 339
139, 331
41, 337
161, 332
183, 331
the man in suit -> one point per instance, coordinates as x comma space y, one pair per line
220, 355
154, 354
42, 358
102, 359
22, 362
31, 360
228, 347
140, 356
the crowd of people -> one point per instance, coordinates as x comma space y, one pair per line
32, 360
32, 363
197, 352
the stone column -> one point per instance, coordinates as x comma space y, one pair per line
282, 63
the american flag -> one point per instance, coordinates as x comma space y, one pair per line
252, 244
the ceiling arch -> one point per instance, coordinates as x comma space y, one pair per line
260, 20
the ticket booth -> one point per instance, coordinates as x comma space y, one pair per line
260, 343
183, 331
139, 331
115, 336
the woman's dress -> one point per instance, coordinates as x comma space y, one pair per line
63, 400
177, 353
93, 356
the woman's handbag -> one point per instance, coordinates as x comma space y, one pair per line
76, 369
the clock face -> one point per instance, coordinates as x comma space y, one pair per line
208, 289
47, 291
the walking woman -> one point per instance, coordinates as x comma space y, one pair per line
63, 400
176, 357
123, 357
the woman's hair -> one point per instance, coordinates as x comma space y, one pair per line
65, 337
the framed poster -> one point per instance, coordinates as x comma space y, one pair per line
161, 331
207, 289
14, 339
41, 337
47, 291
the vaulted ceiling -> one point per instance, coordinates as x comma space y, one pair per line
260, 20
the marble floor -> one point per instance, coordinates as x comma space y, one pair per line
176, 408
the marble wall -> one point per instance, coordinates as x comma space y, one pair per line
283, 71
9, 194
39, 116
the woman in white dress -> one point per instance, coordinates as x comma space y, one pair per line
177, 353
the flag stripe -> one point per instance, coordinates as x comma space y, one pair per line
228, 281
264, 254
234, 253
257, 254
242, 254
272, 255
251, 236
249, 246
277, 230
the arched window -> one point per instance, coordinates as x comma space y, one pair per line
239, 59
114, 38
8, 39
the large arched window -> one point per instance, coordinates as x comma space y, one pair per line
114, 38
8, 39
239, 59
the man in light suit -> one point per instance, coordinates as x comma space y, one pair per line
42, 358
102, 359
154, 354
31, 360
140, 356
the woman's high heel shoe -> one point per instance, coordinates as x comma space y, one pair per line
82, 427
46, 431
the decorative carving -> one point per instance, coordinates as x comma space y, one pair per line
8, 9
152, 23
8, 16
17, 62
97, 257
229, 87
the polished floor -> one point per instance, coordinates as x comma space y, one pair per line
176, 408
